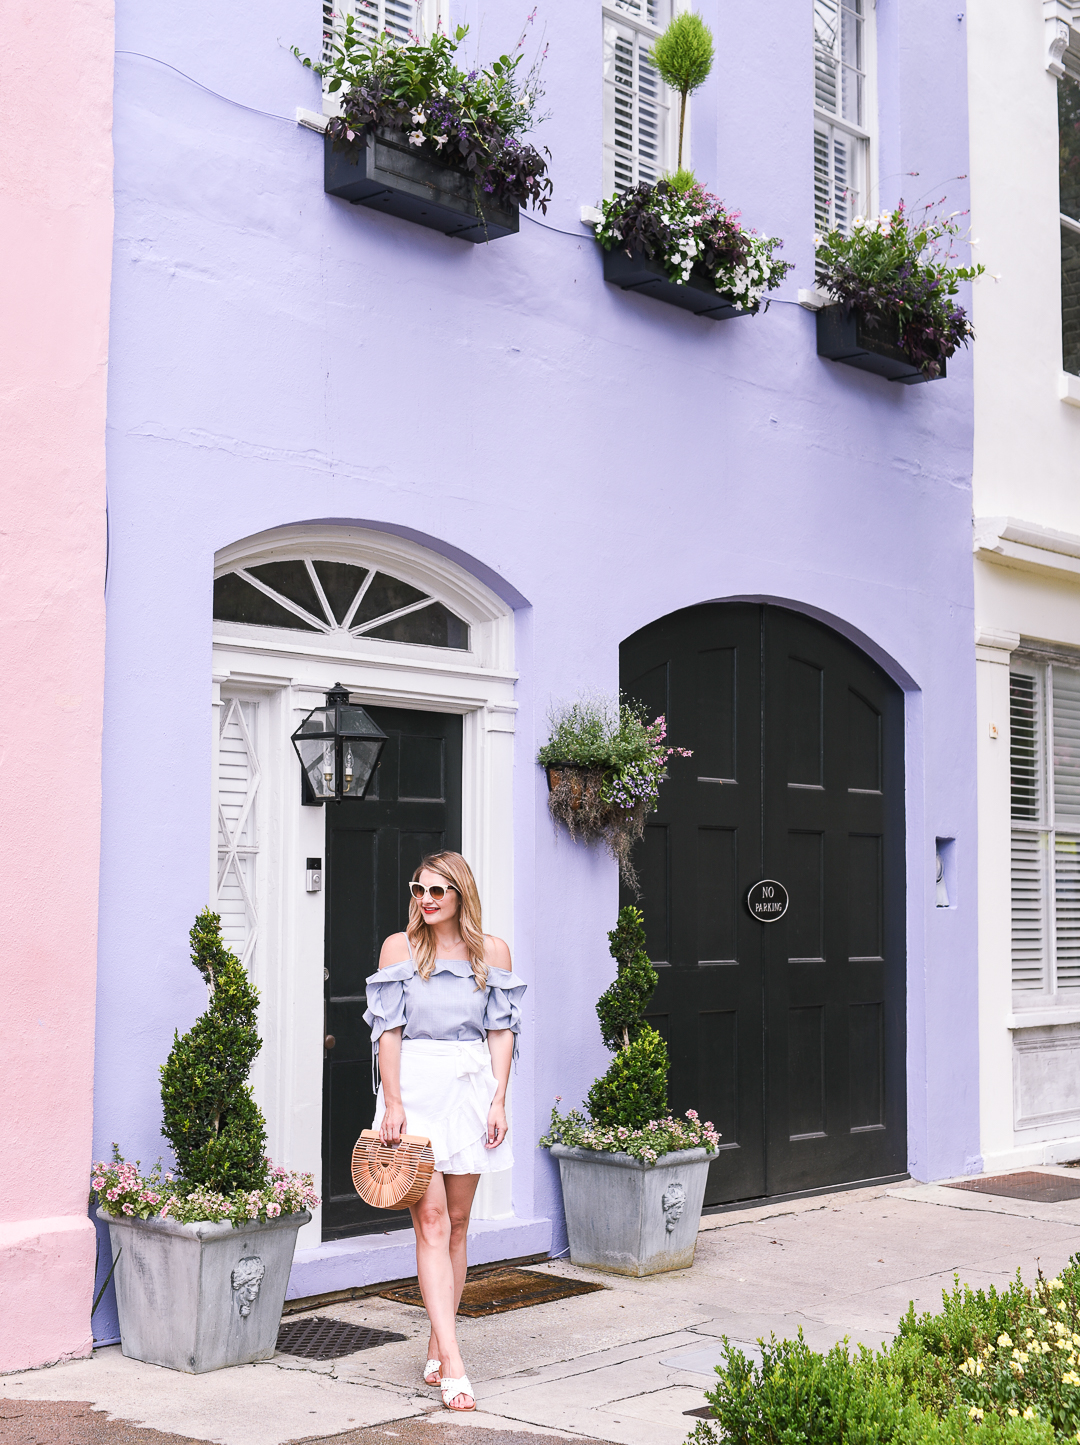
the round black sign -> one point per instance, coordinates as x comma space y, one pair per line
767, 900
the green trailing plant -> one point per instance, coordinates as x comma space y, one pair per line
216, 1129
628, 1106
683, 55
990, 1368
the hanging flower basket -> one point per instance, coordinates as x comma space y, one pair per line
868, 343
605, 792
576, 800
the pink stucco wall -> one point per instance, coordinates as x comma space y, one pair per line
55, 238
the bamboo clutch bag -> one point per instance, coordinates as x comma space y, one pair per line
390, 1176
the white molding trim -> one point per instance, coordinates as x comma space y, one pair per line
812, 299
1069, 386
1042, 1018
992, 645
1028, 546
1058, 17
291, 670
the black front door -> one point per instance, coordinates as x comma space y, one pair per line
412, 807
788, 1035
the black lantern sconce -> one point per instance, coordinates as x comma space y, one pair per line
338, 746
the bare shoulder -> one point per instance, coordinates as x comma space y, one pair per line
395, 949
496, 953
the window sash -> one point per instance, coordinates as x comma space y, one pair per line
1044, 764
841, 165
638, 111
840, 69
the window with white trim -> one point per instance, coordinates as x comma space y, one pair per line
843, 44
637, 103
313, 594
401, 19
1069, 206
1044, 759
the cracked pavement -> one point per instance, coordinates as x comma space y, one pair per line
622, 1364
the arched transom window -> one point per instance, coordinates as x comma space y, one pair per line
314, 594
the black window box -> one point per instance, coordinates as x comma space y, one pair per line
388, 174
648, 278
866, 342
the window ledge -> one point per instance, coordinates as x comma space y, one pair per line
591, 215
1069, 388
1037, 1018
1028, 546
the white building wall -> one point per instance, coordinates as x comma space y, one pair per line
1027, 574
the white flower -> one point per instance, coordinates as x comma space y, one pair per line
418, 116
416, 137
440, 141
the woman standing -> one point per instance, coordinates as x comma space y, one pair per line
443, 1009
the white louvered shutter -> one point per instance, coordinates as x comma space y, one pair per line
637, 104
238, 843
841, 141
1030, 925
1066, 765
399, 18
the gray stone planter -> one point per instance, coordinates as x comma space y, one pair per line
629, 1217
198, 1297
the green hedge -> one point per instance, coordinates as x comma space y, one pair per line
989, 1369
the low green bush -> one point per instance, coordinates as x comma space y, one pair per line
989, 1368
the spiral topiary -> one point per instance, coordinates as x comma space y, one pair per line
634, 1090
215, 1127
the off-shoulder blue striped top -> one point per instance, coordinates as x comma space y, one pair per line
446, 1006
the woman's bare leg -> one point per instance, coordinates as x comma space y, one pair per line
440, 1222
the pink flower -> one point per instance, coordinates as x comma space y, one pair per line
98, 1182
273, 1210
112, 1194
128, 1208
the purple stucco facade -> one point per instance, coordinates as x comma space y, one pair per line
598, 459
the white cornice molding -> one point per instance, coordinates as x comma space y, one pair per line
993, 645
1027, 546
1058, 17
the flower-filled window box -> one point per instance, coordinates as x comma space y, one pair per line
385, 173
869, 343
896, 315
420, 138
674, 241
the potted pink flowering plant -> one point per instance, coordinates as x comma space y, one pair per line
202, 1261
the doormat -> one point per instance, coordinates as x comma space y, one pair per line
499, 1290
325, 1339
1030, 1184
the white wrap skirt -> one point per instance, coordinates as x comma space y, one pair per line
446, 1092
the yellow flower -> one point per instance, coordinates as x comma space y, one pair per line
1045, 1347
975, 1413
1013, 1412
979, 1367
1029, 1414
1058, 1283
1042, 1309
1059, 1328
1004, 1341
1030, 1333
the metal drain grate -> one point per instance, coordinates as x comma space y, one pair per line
326, 1339
1029, 1184
494, 1291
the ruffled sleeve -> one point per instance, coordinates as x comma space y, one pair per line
504, 994
386, 999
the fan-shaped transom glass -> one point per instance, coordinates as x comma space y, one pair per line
311, 594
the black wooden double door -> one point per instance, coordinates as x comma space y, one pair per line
413, 807
789, 1035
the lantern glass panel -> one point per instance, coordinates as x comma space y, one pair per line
358, 759
317, 757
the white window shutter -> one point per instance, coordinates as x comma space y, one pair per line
238, 842
1028, 912
636, 109
1030, 844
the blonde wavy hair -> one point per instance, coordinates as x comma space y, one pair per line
455, 870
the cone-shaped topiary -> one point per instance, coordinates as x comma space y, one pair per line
211, 1120
634, 1090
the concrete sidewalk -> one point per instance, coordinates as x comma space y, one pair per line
621, 1364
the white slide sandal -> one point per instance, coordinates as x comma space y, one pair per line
452, 1388
433, 1367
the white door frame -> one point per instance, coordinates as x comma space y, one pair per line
285, 674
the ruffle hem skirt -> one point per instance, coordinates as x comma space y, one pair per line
446, 1092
